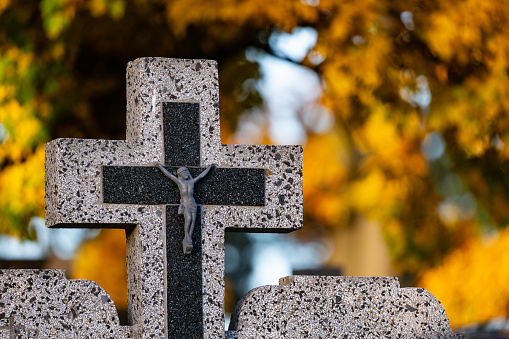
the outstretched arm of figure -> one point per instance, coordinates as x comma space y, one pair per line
167, 173
204, 173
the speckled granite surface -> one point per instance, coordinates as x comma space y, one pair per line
339, 307
44, 304
74, 187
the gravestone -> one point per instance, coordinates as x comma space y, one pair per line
44, 304
173, 119
339, 307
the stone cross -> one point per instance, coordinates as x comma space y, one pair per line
173, 118
147, 185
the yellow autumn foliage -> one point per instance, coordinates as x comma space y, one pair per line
471, 283
4, 4
324, 170
457, 30
284, 14
21, 154
368, 193
102, 260
22, 191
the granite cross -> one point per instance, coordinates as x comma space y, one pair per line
147, 185
173, 117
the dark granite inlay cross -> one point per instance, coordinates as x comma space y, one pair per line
147, 185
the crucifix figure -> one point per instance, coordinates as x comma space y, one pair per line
173, 119
187, 207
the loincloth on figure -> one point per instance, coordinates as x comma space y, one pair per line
187, 206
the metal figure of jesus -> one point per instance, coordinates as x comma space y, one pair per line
187, 207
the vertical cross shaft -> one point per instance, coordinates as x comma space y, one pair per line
146, 185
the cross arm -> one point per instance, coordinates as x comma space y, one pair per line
73, 174
283, 210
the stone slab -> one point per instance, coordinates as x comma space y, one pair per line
44, 304
339, 307
144, 185
181, 126
184, 282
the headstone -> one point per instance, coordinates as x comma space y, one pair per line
339, 307
173, 118
44, 304
176, 279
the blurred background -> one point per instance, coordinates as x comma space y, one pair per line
401, 106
